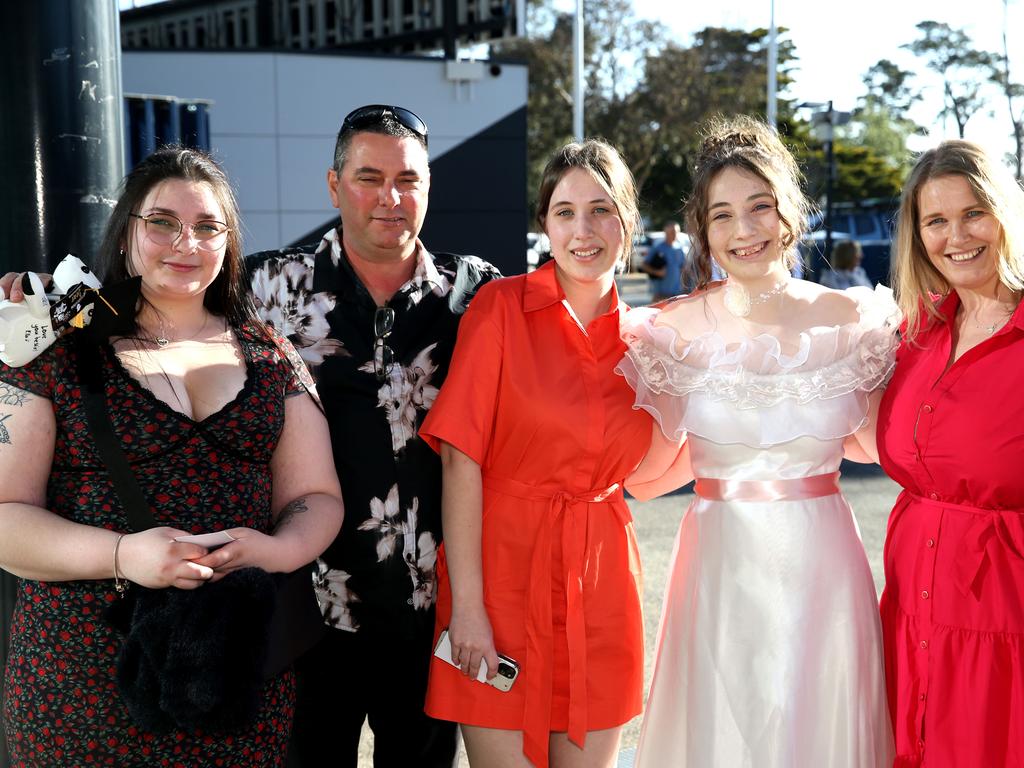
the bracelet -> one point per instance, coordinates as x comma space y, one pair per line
120, 584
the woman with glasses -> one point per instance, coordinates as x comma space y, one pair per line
220, 435
536, 435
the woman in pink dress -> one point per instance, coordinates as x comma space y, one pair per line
951, 432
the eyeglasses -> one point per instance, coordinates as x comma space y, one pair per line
383, 355
165, 229
373, 114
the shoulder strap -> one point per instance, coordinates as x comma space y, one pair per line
126, 486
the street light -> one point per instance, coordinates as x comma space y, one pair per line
823, 123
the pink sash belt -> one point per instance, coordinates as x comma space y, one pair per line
795, 489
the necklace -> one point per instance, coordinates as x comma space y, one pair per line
162, 340
990, 329
739, 302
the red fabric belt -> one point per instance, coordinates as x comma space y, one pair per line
989, 530
569, 511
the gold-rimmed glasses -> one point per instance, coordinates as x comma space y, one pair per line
166, 228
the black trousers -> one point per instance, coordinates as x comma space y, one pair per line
351, 676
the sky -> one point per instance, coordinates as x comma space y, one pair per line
837, 42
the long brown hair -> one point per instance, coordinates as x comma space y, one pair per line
228, 295
750, 145
915, 280
602, 161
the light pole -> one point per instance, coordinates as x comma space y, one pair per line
577, 73
823, 125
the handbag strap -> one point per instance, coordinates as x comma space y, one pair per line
126, 486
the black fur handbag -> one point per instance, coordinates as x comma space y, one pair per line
200, 657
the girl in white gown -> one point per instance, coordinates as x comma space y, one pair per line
769, 650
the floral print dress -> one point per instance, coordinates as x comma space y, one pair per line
61, 703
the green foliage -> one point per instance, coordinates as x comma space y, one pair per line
649, 97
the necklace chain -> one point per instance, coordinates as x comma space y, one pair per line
162, 340
739, 302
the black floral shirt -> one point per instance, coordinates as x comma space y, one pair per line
379, 572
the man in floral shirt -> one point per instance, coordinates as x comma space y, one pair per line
374, 315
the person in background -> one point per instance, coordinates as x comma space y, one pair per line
846, 270
951, 433
220, 434
536, 435
665, 263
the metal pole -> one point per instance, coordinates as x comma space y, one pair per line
577, 73
61, 149
830, 180
61, 139
771, 112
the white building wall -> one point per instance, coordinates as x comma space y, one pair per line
275, 117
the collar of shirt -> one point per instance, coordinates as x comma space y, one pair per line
542, 289
332, 271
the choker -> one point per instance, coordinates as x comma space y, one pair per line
739, 302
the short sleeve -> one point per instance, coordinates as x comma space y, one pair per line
38, 376
282, 366
464, 413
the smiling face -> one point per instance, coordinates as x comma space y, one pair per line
960, 236
181, 270
743, 225
585, 230
381, 194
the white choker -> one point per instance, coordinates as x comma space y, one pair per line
739, 302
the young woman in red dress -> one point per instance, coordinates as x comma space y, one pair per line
951, 432
536, 435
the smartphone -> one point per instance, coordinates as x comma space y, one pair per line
508, 669
208, 540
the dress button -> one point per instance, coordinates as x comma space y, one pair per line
924, 594
924, 645
928, 409
933, 496
920, 744
930, 543
921, 697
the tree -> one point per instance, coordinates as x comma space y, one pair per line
880, 122
1012, 91
963, 69
888, 85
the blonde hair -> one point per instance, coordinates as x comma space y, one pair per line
747, 144
914, 277
602, 161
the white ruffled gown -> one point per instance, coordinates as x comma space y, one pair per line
769, 649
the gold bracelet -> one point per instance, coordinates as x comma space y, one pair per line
120, 584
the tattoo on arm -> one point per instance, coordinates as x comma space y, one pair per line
12, 395
5, 436
290, 510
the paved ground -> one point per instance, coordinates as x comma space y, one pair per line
869, 491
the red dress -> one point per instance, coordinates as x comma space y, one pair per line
953, 606
533, 398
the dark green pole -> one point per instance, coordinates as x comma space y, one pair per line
61, 149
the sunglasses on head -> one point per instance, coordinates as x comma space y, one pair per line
373, 114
